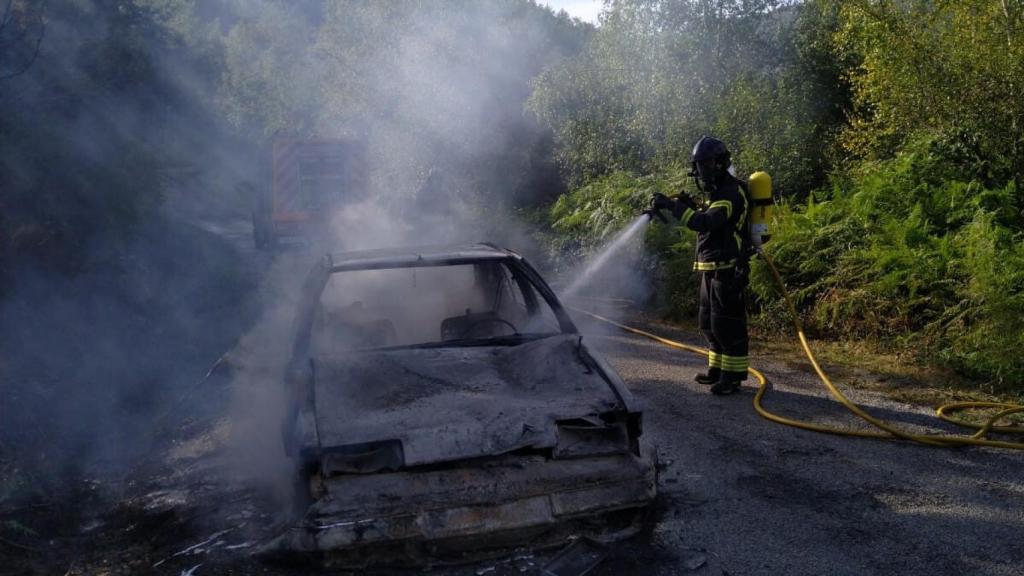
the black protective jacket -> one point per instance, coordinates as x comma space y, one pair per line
719, 226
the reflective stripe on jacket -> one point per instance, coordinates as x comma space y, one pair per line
718, 238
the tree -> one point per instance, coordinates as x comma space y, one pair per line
659, 74
439, 83
96, 111
952, 70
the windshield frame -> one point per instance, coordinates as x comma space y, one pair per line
520, 271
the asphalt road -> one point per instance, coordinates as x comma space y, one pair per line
741, 495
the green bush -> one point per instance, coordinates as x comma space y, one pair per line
904, 252
592, 214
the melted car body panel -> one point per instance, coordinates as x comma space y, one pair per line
448, 404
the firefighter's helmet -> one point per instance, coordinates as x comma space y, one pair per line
711, 159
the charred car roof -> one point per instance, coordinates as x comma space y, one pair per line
417, 256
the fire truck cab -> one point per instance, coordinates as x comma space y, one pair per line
310, 178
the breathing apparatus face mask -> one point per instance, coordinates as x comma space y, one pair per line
706, 169
706, 173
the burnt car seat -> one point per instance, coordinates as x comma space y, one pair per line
475, 325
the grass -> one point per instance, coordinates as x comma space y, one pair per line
863, 365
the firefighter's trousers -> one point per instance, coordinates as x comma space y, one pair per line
722, 318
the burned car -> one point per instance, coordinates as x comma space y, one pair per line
443, 403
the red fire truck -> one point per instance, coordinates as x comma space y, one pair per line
310, 178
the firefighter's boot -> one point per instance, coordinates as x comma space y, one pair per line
710, 377
728, 383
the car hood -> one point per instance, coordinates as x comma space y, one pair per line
446, 404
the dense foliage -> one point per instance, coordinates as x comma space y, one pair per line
892, 130
75, 162
658, 75
905, 251
110, 101
437, 84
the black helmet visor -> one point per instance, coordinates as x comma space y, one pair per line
706, 168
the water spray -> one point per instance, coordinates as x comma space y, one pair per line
616, 245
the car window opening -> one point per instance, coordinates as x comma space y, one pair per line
449, 305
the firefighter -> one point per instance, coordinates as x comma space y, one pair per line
720, 262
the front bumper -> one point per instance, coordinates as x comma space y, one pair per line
495, 503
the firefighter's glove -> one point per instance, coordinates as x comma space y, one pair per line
661, 202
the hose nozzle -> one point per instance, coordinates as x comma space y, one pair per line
651, 213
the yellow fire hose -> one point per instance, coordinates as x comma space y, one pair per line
979, 438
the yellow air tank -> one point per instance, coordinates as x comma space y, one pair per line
760, 186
